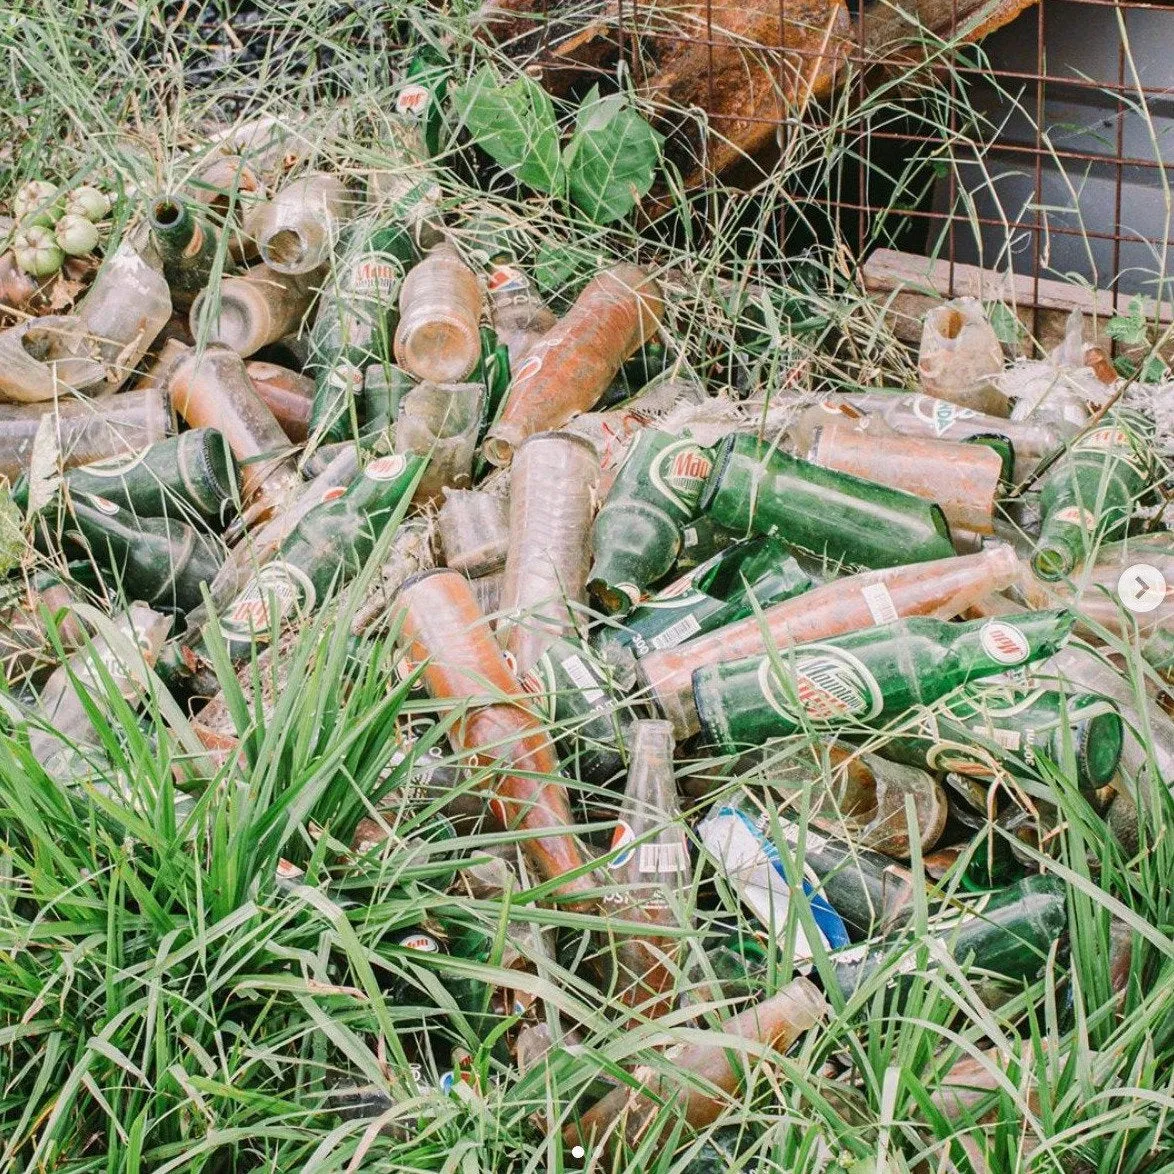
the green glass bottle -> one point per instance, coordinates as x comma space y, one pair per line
186, 245
160, 561
717, 592
587, 712
994, 726
1006, 936
755, 488
637, 533
328, 546
1089, 494
185, 476
864, 678
701, 539
384, 387
354, 324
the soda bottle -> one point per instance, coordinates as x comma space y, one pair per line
1090, 493
440, 421
885, 826
126, 307
443, 631
161, 561
519, 315
256, 308
587, 713
650, 873
997, 727
1007, 935
941, 589
41, 357
697, 1069
474, 530
923, 415
384, 389
192, 475
288, 394
352, 328
65, 730
835, 516
864, 678
296, 230
714, 594
440, 305
213, 390
961, 357
637, 534
410, 553
186, 245
552, 498
701, 539
963, 479
328, 546
570, 368
84, 430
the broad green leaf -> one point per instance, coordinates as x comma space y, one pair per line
514, 125
1128, 328
612, 157
1009, 330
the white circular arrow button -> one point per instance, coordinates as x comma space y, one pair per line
1142, 587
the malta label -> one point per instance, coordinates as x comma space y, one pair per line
939, 412
421, 941
831, 686
506, 279
276, 592
1075, 516
679, 472
1004, 642
386, 468
377, 277
412, 100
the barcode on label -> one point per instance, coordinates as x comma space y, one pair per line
880, 603
1008, 739
582, 679
663, 858
676, 633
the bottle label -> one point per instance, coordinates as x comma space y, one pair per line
684, 594
386, 468
115, 466
939, 412
1113, 440
679, 472
530, 365
286, 587
103, 504
412, 100
674, 634
831, 686
880, 604
506, 279
1004, 643
622, 840
662, 858
421, 941
1075, 516
376, 277
332, 494
584, 680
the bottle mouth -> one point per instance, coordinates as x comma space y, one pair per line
1052, 562
166, 212
721, 458
441, 350
288, 251
1103, 743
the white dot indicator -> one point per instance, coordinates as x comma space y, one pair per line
1142, 588
578, 1151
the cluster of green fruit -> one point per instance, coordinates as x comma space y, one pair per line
50, 225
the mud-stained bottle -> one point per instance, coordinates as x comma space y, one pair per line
637, 534
860, 680
186, 245
519, 315
297, 229
252, 310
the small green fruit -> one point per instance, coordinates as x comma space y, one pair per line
76, 235
87, 202
36, 250
37, 202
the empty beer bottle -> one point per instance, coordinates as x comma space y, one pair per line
756, 488
864, 678
1091, 491
1005, 936
161, 561
185, 476
689, 1073
353, 325
716, 593
649, 871
942, 589
570, 368
328, 546
588, 715
995, 727
186, 245
296, 230
638, 531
